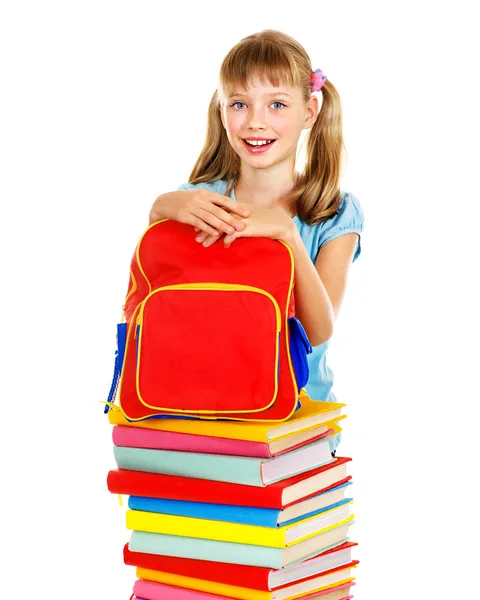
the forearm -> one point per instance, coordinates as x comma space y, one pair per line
160, 209
312, 304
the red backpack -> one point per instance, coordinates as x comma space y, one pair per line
209, 332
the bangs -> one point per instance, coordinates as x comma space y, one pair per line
257, 58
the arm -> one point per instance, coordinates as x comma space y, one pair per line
320, 288
208, 211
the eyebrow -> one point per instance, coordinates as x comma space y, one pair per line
272, 94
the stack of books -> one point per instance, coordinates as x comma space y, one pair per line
230, 509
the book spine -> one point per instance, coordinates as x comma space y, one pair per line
138, 483
151, 590
263, 517
211, 550
200, 528
232, 469
136, 437
254, 577
207, 588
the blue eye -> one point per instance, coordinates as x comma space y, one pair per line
276, 102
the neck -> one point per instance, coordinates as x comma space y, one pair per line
266, 190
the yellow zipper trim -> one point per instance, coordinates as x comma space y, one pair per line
137, 252
209, 286
131, 327
287, 340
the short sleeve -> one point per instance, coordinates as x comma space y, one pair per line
214, 186
349, 219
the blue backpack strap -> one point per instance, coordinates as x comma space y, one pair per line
300, 346
119, 356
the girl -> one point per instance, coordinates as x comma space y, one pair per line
245, 184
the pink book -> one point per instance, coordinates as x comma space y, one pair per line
138, 437
149, 590
161, 591
317, 596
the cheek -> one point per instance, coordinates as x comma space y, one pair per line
284, 127
234, 122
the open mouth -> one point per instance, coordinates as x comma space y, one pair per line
256, 147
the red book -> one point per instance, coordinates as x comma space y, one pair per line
258, 578
277, 495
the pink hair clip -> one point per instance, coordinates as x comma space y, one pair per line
318, 79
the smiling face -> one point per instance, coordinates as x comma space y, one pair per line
276, 114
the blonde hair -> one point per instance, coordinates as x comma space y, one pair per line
276, 57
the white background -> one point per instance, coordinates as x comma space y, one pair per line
103, 108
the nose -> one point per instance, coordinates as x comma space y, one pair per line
256, 119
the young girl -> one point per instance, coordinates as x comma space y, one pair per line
245, 184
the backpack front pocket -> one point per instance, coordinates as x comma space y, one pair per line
208, 348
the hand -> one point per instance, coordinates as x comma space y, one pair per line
274, 223
209, 212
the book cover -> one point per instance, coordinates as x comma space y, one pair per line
311, 414
247, 515
280, 537
236, 553
326, 581
158, 591
233, 469
260, 578
137, 437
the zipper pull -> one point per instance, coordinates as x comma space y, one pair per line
137, 327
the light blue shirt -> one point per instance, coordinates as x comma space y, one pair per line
349, 218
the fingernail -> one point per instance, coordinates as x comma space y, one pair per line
198, 238
240, 226
230, 229
215, 233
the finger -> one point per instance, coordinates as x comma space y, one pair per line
202, 236
229, 239
209, 215
238, 208
196, 229
209, 241
202, 226
229, 223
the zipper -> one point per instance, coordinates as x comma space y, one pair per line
224, 287
209, 286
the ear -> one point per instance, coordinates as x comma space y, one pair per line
311, 112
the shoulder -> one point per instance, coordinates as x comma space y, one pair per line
219, 186
349, 218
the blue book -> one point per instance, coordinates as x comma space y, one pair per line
263, 517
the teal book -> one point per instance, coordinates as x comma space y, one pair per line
244, 470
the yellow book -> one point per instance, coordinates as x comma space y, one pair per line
297, 590
241, 533
311, 414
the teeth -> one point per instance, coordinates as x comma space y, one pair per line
258, 142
